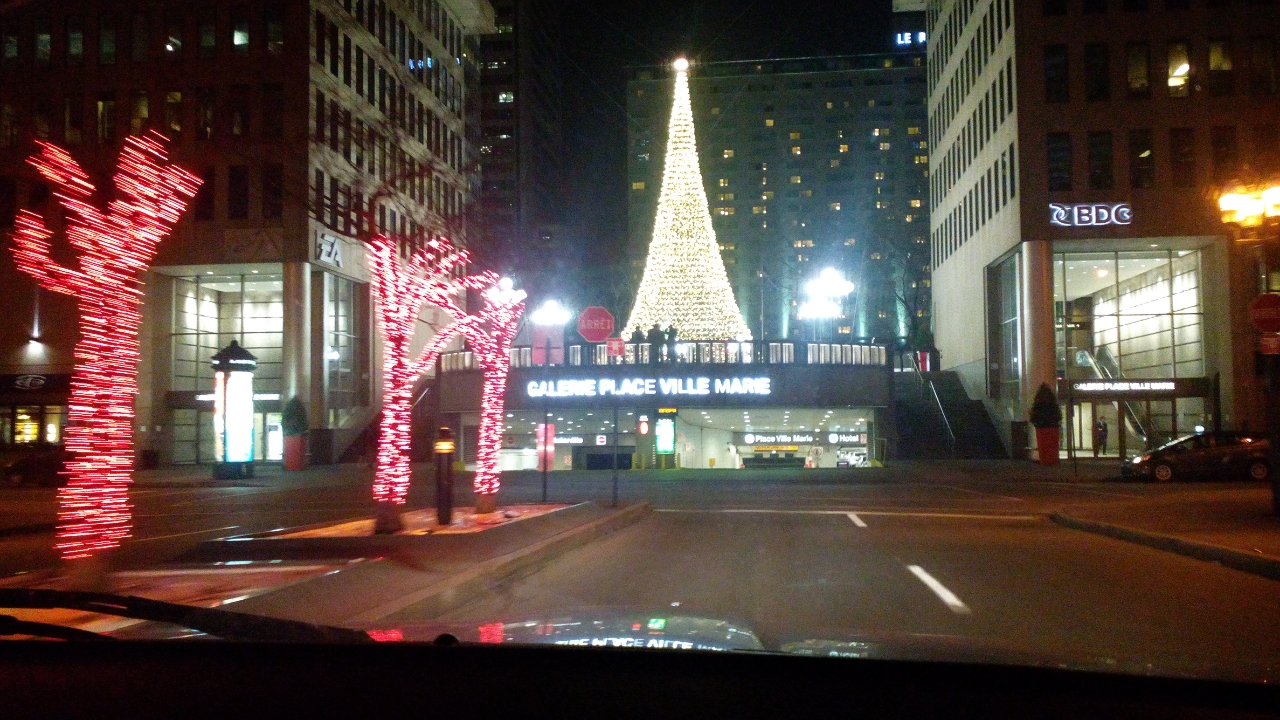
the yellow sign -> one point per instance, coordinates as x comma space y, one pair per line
667, 411
775, 448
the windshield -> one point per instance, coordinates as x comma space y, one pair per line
652, 327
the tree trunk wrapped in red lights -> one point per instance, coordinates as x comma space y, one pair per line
116, 248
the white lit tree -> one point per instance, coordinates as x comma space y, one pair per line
684, 282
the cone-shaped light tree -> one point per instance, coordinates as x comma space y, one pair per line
684, 282
116, 248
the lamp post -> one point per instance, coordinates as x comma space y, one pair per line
1254, 211
444, 476
826, 294
233, 369
546, 321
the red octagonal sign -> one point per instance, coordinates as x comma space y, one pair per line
1264, 311
595, 324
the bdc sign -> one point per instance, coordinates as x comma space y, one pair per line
1090, 214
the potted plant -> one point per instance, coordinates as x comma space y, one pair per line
1046, 416
294, 423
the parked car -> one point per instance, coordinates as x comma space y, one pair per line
1213, 455
41, 466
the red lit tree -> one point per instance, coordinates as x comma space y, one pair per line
400, 291
116, 248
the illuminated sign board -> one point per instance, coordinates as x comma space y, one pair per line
776, 448
1090, 214
664, 436
567, 440
904, 39
771, 438
847, 438
665, 387
1124, 386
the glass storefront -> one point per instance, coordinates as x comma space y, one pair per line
1127, 316
209, 311
32, 424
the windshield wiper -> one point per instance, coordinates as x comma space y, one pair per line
10, 625
224, 624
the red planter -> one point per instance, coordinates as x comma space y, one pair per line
1047, 440
295, 452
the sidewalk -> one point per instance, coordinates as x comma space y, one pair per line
1231, 526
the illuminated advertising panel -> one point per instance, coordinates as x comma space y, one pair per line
664, 436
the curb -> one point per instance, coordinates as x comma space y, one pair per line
1259, 565
32, 529
459, 589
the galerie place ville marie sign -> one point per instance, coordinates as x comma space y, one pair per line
663, 387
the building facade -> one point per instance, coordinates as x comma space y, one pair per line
808, 163
1080, 146
295, 114
519, 226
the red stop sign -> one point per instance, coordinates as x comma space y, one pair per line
1264, 311
595, 324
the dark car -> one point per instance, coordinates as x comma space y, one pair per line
1216, 455
39, 466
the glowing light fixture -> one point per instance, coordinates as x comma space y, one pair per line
551, 313
233, 369
824, 293
1250, 206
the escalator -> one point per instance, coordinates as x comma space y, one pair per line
1104, 367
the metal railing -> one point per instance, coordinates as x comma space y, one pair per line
695, 353
922, 382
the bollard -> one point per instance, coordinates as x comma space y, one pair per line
444, 476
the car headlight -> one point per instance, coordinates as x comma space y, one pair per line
1141, 459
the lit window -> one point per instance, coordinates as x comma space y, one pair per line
795, 150
882, 204
728, 246
638, 185
851, 241
715, 111
759, 210
795, 179
920, 159
888, 62
839, 133
876, 256
913, 131
915, 203
764, 167
835, 163
802, 258
844, 148
911, 218
845, 330
639, 93
802, 243
726, 196
766, 195
768, 122
884, 146
830, 104
923, 144
795, 136
880, 132
879, 176
724, 182
724, 211
871, 103
728, 154
883, 314
764, 181
834, 206
925, 282
920, 313
506, 97
807, 193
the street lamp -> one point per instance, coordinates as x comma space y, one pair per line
1251, 208
233, 369
826, 294
548, 325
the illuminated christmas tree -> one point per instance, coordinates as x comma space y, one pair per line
684, 283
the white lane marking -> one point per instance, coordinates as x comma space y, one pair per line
883, 513
183, 534
856, 520
947, 597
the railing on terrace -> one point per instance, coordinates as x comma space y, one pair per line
698, 353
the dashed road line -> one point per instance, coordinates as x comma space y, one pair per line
948, 598
856, 520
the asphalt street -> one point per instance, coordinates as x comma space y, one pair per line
921, 552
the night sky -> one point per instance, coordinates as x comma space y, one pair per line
602, 39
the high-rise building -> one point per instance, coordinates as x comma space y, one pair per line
519, 225
294, 114
808, 164
1079, 148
